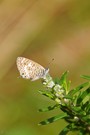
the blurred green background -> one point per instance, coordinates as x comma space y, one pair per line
39, 30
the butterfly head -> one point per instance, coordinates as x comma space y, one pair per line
46, 71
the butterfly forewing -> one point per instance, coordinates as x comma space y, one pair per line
29, 69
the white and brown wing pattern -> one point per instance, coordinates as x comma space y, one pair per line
30, 70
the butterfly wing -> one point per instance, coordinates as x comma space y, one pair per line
29, 69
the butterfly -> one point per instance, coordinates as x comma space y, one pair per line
29, 69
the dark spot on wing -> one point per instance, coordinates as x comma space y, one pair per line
22, 73
33, 65
24, 63
28, 68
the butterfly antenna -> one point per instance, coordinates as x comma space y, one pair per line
50, 62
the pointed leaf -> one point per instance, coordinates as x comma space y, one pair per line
63, 80
85, 77
47, 94
64, 76
76, 109
53, 119
49, 108
74, 91
83, 95
68, 85
88, 107
68, 128
84, 106
86, 118
64, 131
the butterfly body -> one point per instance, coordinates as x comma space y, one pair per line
30, 70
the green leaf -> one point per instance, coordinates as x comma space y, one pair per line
78, 88
68, 128
81, 132
64, 76
76, 109
53, 119
83, 95
57, 80
47, 94
68, 85
67, 96
63, 80
85, 77
49, 108
88, 106
85, 105
86, 118
65, 131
